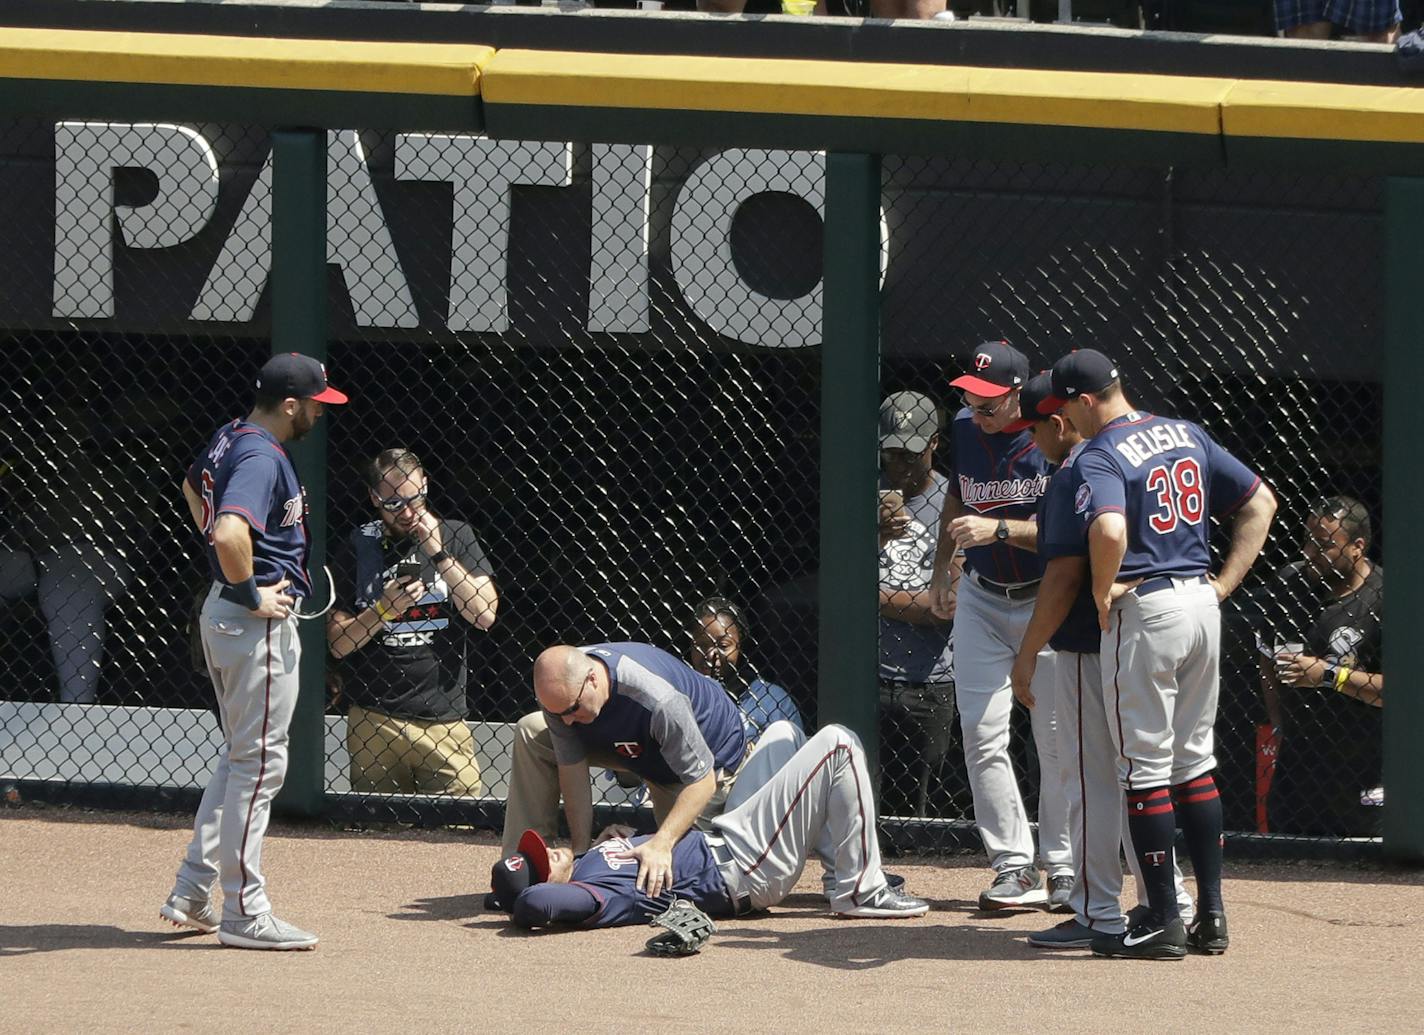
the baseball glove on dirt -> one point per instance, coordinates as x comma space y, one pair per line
687, 929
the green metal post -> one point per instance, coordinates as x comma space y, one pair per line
1403, 502
850, 447
299, 325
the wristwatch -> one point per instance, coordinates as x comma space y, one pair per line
1002, 532
1332, 670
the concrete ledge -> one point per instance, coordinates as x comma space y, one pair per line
176, 749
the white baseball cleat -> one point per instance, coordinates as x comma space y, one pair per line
888, 903
265, 932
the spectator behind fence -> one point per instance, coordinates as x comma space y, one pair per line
73, 521
1319, 623
916, 646
719, 634
1368, 21
410, 585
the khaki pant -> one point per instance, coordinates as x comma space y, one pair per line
410, 756
533, 802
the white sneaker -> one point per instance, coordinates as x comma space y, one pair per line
197, 913
264, 932
888, 903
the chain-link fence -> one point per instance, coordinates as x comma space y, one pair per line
601, 362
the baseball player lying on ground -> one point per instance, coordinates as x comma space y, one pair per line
817, 803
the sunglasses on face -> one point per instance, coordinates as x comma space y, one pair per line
399, 503
575, 706
987, 410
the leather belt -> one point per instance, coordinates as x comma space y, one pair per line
1020, 591
722, 856
1162, 582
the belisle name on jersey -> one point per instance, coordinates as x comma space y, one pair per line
1001, 492
1141, 446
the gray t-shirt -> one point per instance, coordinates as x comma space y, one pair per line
915, 653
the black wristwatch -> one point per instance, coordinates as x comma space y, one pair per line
439, 556
1327, 678
1002, 532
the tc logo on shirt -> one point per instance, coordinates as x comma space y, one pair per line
628, 748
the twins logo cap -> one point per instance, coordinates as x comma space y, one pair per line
908, 420
528, 865
1081, 372
997, 367
290, 375
1038, 388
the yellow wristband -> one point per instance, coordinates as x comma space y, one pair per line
1342, 677
383, 612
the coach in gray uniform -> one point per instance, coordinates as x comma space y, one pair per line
634, 708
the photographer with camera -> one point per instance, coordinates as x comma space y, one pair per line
409, 586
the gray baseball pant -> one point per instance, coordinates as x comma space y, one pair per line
253, 663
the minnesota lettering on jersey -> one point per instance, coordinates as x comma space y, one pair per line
999, 492
1141, 446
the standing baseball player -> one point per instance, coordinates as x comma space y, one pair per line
1064, 618
987, 527
247, 502
819, 802
1145, 487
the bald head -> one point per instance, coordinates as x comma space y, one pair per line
559, 676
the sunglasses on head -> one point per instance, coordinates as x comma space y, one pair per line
397, 503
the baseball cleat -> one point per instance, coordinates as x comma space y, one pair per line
828, 884
264, 932
1070, 934
1150, 940
1022, 886
1059, 888
888, 903
195, 913
1208, 935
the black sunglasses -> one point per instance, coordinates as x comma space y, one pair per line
397, 503
988, 411
575, 706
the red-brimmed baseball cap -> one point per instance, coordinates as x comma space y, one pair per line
291, 375
997, 368
1081, 372
529, 865
1038, 388
532, 846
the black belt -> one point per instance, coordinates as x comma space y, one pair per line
1167, 581
1023, 591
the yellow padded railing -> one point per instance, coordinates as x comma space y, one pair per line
341, 66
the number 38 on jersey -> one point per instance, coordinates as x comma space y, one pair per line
1179, 495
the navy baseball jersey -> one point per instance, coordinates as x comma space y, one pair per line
1061, 534
245, 471
669, 724
999, 476
1166, 477
603, 892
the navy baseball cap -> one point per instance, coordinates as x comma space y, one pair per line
529, 865
1079, 372
290, 375
908, 420
1038, 388
998, 368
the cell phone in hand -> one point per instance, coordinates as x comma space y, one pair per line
409, 568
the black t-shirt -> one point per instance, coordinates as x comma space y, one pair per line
415, 667
1331, 743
